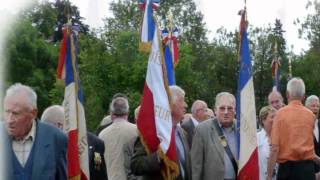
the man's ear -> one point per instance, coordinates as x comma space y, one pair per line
34, 113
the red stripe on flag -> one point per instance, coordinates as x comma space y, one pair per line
172, 153
62, 55
146, 120
73, 155
250, 171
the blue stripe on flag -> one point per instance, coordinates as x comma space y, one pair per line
151, 24
169, 66
69, 70
70, 74
245, 74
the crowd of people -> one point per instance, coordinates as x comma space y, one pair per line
205, 140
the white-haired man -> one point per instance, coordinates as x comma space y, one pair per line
275, 99
54, 115
214, 148
149, 165
312, 103
292, 143
199, 113
116, 136
38, 150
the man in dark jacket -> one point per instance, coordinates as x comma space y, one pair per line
149, 166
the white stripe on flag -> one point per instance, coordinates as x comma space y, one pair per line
75, 120
248, 129
155, 83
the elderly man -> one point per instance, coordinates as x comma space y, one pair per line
292, 137
54, 115
38, 150
116, 136
275, 99
199, 114
214, 148
312, 103
149, 166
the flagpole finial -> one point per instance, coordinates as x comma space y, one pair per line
290, 68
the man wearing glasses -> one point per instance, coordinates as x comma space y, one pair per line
214, 148
199, 114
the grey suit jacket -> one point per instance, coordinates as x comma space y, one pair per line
189, 127
50, 148
207, 153
186, 146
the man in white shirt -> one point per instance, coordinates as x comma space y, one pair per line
312, 103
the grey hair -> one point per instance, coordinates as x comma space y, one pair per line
119, 106
196, 104
296, 87
174, 91
222, 94
53, 114
18, 88
311, 98
275, 92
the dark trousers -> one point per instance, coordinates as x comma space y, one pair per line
296, 170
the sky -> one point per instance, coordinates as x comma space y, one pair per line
218, 13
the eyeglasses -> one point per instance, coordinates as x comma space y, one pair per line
226, 108
203, 109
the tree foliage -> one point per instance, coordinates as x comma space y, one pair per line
109, 60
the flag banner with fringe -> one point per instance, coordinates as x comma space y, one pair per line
147, 24
246, 111
75, 123
154, 120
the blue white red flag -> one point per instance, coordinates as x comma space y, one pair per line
171, 53
154, 121
248, 167
148, 24
75, 123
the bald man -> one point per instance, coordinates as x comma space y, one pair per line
275, 99
199, 113
54, 115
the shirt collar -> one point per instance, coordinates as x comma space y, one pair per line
295, 102
119, 120
31, 135
195, 122
227, 129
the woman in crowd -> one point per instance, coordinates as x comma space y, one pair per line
266, 117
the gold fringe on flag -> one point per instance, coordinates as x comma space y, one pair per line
145, 47
171, 169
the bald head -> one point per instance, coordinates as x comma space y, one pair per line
199, 110
275, 99
54, 115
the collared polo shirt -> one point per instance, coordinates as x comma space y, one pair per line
292, 132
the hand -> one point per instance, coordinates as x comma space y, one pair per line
269, 178
317, 160
318, 176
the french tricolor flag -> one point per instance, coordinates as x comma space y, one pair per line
75, 123
148, 24
154, 120
246, 112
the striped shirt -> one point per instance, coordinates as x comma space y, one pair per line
22, 147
